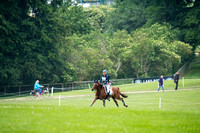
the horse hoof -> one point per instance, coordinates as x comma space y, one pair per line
126, 105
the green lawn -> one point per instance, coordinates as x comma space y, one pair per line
194, 71
168, 85
180, 112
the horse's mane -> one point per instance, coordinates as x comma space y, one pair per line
100, 84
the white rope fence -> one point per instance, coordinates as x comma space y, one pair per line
159, 102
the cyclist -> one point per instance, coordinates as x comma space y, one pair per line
38, 87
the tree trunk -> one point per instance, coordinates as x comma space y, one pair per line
118, 65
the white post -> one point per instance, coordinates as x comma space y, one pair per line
183, 81
48, 91
52, 91
89, 86
160, 103
59, 99
62, 87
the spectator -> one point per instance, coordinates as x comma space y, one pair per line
38, 87
160, 83
176, 79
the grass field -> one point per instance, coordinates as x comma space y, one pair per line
179, 112
152, 86
194, 71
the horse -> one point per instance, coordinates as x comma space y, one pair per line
101, 94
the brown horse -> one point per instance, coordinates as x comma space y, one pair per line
101, 94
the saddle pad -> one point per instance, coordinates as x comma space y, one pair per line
110, 91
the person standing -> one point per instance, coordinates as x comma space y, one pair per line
160, 83
176, 79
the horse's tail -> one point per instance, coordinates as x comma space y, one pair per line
123, 95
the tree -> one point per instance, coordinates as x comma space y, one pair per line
191, 27
180, 14
154, 51
117, 45
89, 56
128, 15
30, 44
98, 15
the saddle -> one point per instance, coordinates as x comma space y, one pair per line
109, 90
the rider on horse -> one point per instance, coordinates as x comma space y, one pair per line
106, 84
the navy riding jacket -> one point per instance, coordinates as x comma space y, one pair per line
104, 79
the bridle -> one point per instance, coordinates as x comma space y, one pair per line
96, 85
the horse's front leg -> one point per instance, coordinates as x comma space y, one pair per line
104, 102
93, 101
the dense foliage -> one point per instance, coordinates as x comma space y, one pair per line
61, 41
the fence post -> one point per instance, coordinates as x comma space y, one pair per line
89, 85
48, 91
72, 86
160, 103
52, 91
19, 89
62, 87
4, 90
59, 99
183, 81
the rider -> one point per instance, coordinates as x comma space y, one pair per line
38, 87
106, 84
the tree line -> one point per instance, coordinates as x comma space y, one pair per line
59, 41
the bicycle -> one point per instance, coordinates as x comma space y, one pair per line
35, 93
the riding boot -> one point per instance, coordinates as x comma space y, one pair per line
108, 97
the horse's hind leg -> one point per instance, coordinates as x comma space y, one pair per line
115, 102
104, 103
123, 101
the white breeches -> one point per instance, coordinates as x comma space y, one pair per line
107, 88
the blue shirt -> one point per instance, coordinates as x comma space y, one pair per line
37, 85
104, 79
